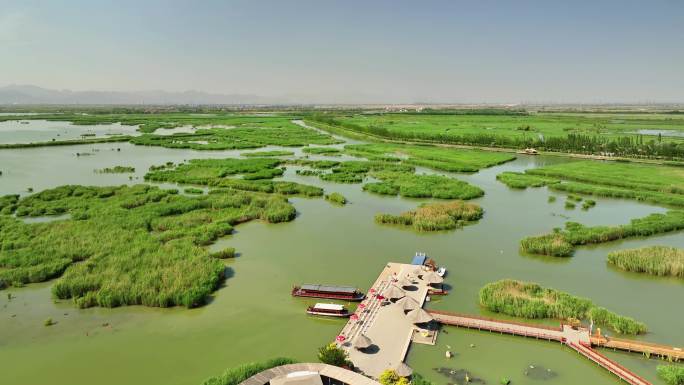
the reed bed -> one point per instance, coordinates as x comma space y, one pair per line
225, 173
238, 374
530, 300
421, 186
329, 151
435, 216
336, 198
116, 170
520, 180
654, 260
266, 154
672, 374
561, 242
137, 245
438, 158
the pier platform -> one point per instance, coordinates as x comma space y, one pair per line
386, 324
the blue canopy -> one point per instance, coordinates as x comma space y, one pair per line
419, 260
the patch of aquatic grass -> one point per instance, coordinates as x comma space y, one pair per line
249, 132
116, 170
530, 300
672, 374
264, 154
552, 198
336, 198
622, 193
587, 204
561, 242
309, 172
224, 173
435, 216
421, 186
193, 190
522, 181
570, 205
330, 151
228, 252
654, 260
137, 245
439, 158
238, 374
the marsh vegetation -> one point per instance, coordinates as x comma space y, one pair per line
126, 245
562, 242
435, 216
654, 260
529, 300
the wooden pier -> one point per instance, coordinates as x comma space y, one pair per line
578, 339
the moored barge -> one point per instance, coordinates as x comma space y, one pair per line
346, 293
328, 309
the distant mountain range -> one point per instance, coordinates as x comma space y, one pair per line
28, 94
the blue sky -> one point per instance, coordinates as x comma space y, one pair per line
353, 51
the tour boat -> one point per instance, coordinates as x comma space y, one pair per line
441, 271
346, 293
437, 291
328, 309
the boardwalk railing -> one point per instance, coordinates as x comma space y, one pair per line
608, 364
565, 335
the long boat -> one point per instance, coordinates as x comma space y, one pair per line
328, 310
346, 293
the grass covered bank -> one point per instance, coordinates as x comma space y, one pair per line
654, 260
562, 242
529, 300
435, 216
137, 245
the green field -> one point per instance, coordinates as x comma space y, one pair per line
438, 158
639, 135
644, 182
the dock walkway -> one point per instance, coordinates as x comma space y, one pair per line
387, 326
577, 339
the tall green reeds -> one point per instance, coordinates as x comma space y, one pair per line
654, 260
530, 300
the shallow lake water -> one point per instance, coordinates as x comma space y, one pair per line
31, 131
253, 317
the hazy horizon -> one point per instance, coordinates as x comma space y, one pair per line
352, 51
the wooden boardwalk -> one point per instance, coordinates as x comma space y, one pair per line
577, 339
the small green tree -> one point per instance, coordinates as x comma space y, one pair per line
331, 354
389, 377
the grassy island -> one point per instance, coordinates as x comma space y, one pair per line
654, 260
116, 170
255, 175
529, 300
562, 242
435, 216
671, 374
137, 245
421, 186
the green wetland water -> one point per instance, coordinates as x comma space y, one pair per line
253, 317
